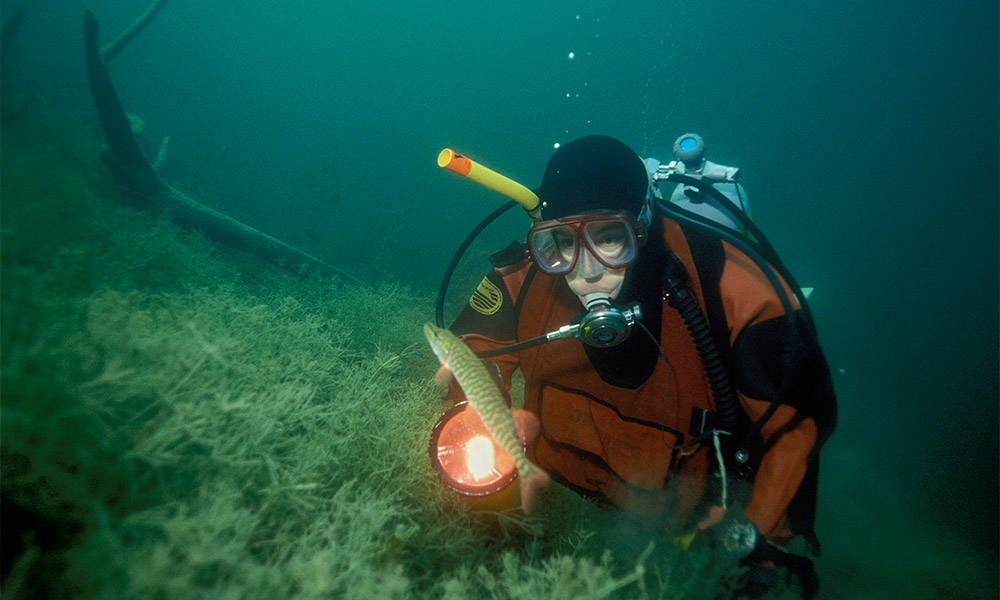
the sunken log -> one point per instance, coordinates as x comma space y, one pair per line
138, 181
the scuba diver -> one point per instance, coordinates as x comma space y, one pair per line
693, 363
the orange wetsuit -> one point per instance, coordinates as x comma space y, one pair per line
615, 437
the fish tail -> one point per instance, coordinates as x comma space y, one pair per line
532, 482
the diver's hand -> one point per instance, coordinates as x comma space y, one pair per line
739, 538
528, 427
442, 379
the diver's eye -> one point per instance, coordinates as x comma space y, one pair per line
564, 242
609, 239
562, 238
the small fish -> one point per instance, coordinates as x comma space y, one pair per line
483, 394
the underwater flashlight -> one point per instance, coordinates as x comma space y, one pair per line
468, 461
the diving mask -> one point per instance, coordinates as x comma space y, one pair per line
612, 237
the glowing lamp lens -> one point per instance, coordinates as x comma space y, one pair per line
479, 456
465, 456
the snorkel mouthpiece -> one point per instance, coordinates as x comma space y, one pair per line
605, 325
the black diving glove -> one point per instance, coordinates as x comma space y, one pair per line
739, 538
799, 566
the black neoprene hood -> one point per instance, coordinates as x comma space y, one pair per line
591, 173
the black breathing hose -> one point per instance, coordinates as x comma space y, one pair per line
754, 249
531, 343
676, 292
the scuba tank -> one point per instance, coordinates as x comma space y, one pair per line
689, 159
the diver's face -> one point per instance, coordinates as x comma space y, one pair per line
589, 276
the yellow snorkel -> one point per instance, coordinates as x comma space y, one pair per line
500, 488
490, 179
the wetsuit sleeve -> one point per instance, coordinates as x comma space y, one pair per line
775, 359
789, 438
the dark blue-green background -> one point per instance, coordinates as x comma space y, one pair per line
866, 131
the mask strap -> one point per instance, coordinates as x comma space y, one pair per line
646, 219
646, 215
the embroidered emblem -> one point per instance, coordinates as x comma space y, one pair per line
487, 298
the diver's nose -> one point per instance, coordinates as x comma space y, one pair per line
588, 267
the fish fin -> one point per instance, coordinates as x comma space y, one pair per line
531, 484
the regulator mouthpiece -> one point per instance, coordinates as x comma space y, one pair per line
596, 299
605, 325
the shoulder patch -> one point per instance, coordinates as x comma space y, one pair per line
487, 299
489, 311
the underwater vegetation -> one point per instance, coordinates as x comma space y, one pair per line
183, 422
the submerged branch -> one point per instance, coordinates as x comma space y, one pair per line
137, 178
112, 49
